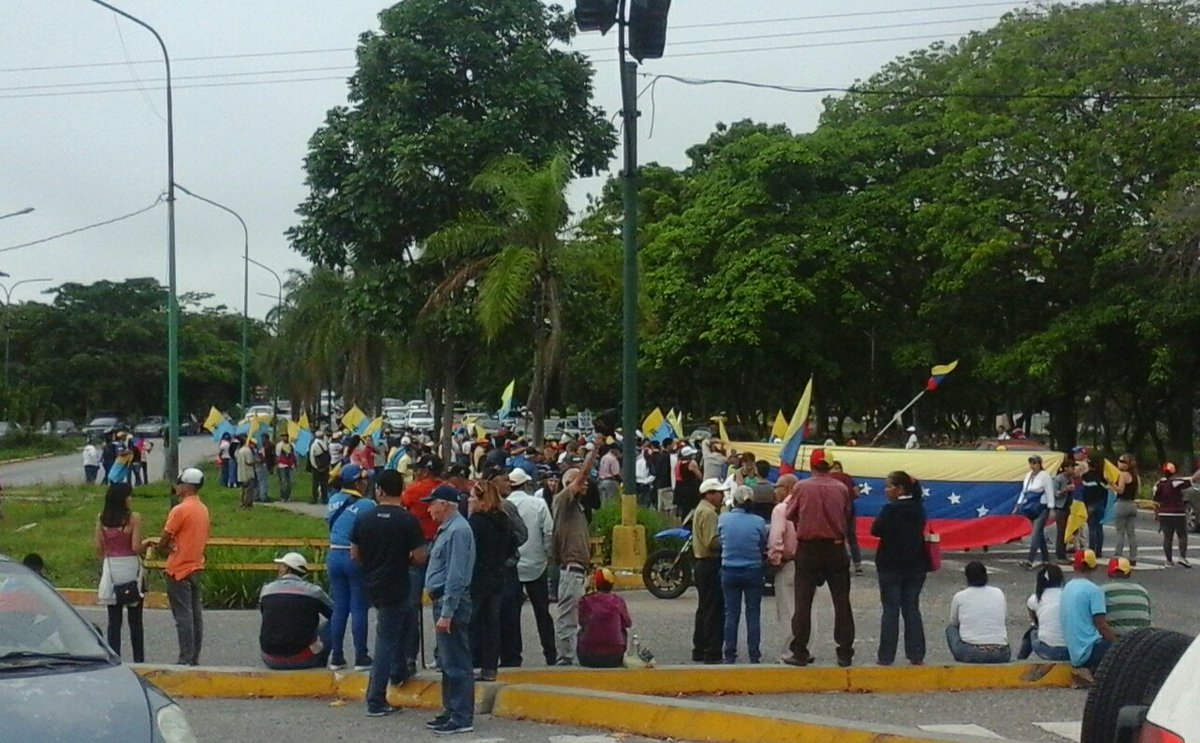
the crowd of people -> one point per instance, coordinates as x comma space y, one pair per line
118, 456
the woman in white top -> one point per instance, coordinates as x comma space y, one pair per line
977, 631
1045, 636
1037, 503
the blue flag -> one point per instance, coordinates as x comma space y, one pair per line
303, 442
664, 432
224, 427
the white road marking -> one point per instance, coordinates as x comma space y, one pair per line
970, 729
1068, 730
582, 739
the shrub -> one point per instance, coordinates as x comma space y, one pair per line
609, 515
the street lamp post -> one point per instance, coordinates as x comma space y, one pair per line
17, 213
245, 286
8, 290
278, 305
171, 468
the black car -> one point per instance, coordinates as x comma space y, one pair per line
60, 681
102, 424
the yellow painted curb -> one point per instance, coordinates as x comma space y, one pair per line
760, 679
87, 597
681, 719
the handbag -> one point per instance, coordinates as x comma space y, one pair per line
128, 593
1032, 509
933, 550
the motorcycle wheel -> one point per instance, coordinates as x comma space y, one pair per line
666, 574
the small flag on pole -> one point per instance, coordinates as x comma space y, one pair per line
779, 429
506, 400
938, 373
353, 417
790, 449
652, 421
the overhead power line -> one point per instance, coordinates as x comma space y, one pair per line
94, 225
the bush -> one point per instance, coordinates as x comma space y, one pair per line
609, 515
32, 442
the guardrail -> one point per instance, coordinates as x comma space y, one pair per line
293, 542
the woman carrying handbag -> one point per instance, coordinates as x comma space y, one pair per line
118, 541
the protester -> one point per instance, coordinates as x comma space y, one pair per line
493, 545
345, 576
183, 539
604, 624
451, 562
511, 644
743, 538
427, 471
977, 632
1094, 493
901, 564
1127, 604
532, 559
1036, 502
1085, 620
781, 552
838, 473
294, 633
610, 472
1171, 513
91, 462
384, 542
319, 462
708, 633
1045, 635
573, 553
687, 482
246, 458
285, 465
660, 465
118, 542
228, 475
1062, 508
820, 510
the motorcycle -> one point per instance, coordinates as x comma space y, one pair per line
668, 571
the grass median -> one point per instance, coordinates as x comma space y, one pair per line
58, 521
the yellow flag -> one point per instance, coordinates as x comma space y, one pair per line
303, 424
353, 417
1077, 518
214, 419
652, 422
1111, 473
720, 419
373, 426
293, 430
779, 429
676, 421
254, 423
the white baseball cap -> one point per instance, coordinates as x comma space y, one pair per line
191, 476
295, 561
687, 451
519, 476
713, 484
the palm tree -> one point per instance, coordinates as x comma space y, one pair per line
516, 256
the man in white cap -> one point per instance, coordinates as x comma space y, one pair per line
913, 442
533, 558
709, 631
293, 634
183, 540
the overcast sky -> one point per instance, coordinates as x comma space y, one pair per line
82, 132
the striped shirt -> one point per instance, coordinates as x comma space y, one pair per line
1127, 606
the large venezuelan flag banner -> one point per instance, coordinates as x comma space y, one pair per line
969, 495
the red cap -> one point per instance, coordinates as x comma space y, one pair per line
1168, 468
818, 460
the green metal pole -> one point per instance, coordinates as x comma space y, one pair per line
629, 349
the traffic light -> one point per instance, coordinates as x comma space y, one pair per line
648, 28
595, 15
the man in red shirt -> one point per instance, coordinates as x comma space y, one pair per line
427, 472
820, 509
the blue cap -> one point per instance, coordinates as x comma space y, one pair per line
351, 473
447, 493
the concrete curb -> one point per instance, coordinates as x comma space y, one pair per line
18, 460
87, 597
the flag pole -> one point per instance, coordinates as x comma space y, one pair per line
897, 416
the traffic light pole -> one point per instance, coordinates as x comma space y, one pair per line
629, 181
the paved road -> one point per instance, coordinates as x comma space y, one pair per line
263, 720
67, 468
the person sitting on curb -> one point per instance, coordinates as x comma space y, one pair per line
1085, 620
1127, 604
295, 630
977, 632
1045, 636
604, 624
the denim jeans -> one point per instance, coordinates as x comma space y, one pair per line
285, 483
1095, 524
1038, 540
349, 603
738, 584
261, 476
389, 663
965, 652
186, 608
454, 656
1031, 645
412, 630
1097, 654
1125, 519
900, 593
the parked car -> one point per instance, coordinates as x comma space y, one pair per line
7, 427
259, 411
60, 681
395, 417
60, 428
1145, 690
421, 420
151, 425
414, 405
102, 424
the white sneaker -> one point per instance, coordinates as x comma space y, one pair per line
1183, 563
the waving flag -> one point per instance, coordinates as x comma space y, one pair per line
294, 429
938, 373
779, 428
303, 422
652, 421
303, 442
794, 437
506, 399
969, 495
214, 419
353, 417
663, 432
224, 427
720, 419
676, 421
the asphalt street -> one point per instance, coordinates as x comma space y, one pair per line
68, 468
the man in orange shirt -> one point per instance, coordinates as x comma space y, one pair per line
427, 471
183, 539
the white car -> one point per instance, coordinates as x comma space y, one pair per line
1146, 691
421, 420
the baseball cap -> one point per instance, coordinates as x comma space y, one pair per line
713, 484
405, 441
518, 476
911, 429
191, 476
1035, 458
458, 470
1085, 558
603, 577
687, 451
1168, 468
1119, 566
818, 460
447, 493
295, 561
351, 473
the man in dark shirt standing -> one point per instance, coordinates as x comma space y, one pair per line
292, 635
820, 509
661, 466
385, 541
